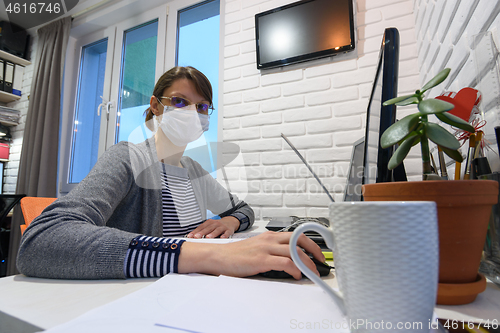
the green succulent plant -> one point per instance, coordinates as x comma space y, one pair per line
416, 128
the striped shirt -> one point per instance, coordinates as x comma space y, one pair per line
181, 212
152, 256
157, 256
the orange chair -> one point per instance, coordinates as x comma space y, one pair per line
32, 207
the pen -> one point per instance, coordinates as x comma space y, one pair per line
434, 164
478, 150
470, 155
458, 169
442, 164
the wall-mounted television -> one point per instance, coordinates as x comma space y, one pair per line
304, 30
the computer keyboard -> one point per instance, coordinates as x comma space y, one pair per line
289, 223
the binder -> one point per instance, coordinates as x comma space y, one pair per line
8, 77
2, 64
4, 151
18, 80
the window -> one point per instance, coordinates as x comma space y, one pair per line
86, 80
137, 80
198, 46
110, 75
85, 139
116, 71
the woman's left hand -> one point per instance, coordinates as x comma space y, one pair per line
224, 228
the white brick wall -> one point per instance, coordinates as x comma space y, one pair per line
445, 30
319, 105
12, 167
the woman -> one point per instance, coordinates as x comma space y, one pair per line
116, 223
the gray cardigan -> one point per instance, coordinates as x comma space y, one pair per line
86, 234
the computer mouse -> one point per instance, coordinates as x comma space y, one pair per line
323, 269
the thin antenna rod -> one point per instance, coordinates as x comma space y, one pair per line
307, 165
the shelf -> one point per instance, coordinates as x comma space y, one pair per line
14, 59
8, 123
7, 98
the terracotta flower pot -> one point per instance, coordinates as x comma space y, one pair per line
464, 208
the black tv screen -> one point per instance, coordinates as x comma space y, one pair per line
304, 30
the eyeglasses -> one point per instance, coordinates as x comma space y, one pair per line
182, 103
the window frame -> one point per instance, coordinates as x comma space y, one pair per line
156, 13
170, 58
167, 40
114, 33
70, 95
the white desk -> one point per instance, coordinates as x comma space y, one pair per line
31, 304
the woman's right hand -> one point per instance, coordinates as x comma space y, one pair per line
262, 253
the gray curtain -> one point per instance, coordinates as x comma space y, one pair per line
37, 175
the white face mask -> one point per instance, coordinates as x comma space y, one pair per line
183, 126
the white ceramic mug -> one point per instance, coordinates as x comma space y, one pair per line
386, 260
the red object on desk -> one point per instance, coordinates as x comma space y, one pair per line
464, 102
4, 151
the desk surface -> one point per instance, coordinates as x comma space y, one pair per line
32, 304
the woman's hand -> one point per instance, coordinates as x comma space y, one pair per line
258, 254
224, 228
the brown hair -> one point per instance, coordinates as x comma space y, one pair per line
201, 83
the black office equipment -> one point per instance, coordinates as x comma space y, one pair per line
323, 270
289, 223
480, 166
352, 190
14, 39
369, 162
304, 30
7, 202
380, 117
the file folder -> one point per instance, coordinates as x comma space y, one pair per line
8, 76
18, 80
4, 151
2, 65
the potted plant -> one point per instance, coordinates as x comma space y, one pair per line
464, 206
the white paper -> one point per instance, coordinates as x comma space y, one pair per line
198, 303
247, 305
138, 311
201, 303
